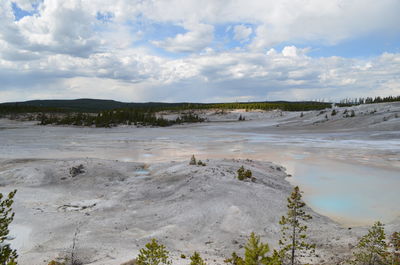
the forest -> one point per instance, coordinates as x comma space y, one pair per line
109, 113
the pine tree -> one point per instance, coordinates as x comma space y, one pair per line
255, 251
255, 254
395, 246
153, 254
235, 259
7, 255
293, 230
372, 247
195, 259
192, 160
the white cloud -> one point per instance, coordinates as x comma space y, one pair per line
196, 39
242, 33
64, 50
132, 75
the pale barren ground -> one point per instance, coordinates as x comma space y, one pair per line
137, 183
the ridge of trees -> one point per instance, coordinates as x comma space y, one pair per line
368, 100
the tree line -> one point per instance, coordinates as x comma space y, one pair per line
116, 117
368, 100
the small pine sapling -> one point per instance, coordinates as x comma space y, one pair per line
294, 230
153, 254
192, 161
372, 247
195, 259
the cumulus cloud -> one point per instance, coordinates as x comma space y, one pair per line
104, 48
196, 39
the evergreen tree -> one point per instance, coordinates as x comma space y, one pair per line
293, 228
195, 259
395, 246
372, 247
235, 259
153, 254
8, 256
255, 251
255, 254
192, 160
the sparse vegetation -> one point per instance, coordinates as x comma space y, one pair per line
53, 262
195, 259
255, 254
153, 254
75, 171
201, 163
8, 256
192, 161
243, 174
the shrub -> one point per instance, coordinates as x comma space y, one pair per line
8, 256
201, 163
240, 173
153, 254
235, 260
53, 262
244, 174
195, 259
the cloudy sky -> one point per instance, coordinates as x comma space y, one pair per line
199, 50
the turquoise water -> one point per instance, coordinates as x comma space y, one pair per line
349, 193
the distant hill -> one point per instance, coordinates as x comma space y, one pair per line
88, 105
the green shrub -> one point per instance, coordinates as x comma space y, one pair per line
153, 254
201, 163
53, 262
244, 174
195, 259
235, 259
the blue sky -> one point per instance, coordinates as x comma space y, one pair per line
202, 51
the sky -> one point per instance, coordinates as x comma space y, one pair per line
199, 50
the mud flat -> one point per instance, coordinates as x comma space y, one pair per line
116, 207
